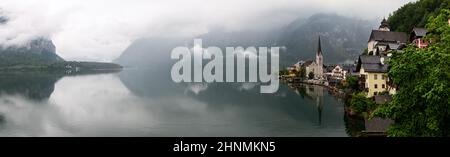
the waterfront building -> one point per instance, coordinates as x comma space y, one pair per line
416, 37
373, 75
384, 40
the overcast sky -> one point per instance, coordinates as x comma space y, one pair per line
99, 30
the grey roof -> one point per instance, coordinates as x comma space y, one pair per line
381, 99
420, 32
375, 68
329, 68
377, 124
388, 36
369, 59
348, 67
308, 62
371, 64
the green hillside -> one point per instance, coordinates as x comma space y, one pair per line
416, 14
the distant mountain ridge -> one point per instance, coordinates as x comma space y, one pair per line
39, 50
343, 38
39, 54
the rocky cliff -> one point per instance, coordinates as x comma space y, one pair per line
39, 50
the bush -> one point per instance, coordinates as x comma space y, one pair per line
284, 72
352, 83
360, 103
311, 75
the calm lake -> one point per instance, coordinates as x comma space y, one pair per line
145, 102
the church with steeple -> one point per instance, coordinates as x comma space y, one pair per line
316, 67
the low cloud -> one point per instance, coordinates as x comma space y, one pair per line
100, 30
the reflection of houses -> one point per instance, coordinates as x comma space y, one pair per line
417, 35
373, 77
383, 40
316, 92
313, 92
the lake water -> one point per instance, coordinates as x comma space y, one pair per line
147, 103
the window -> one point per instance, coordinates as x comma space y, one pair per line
375, 76
376, 86
383, 86
374, 93
382, 77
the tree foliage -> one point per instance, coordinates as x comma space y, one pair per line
352, 83
25, 58
302, 73
360, 103
284, 71
416, 14
422, 105
311, 75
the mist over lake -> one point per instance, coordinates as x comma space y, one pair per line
142, 102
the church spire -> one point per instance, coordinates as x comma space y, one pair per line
384, 26
319, 49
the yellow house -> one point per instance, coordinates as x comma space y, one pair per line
292, 71
373, 75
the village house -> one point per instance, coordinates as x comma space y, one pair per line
384, 40
335, 74
350, 69
339, 73
372, 68
292, 71
372, 75
417, 35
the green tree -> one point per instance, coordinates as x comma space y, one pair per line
352, 83
416, 14
284, 71
365, 52
421, 107
302, 73
360, 103
311, 75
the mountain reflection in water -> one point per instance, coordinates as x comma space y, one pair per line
145, 102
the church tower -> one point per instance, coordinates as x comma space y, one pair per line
384, 25
319, 62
